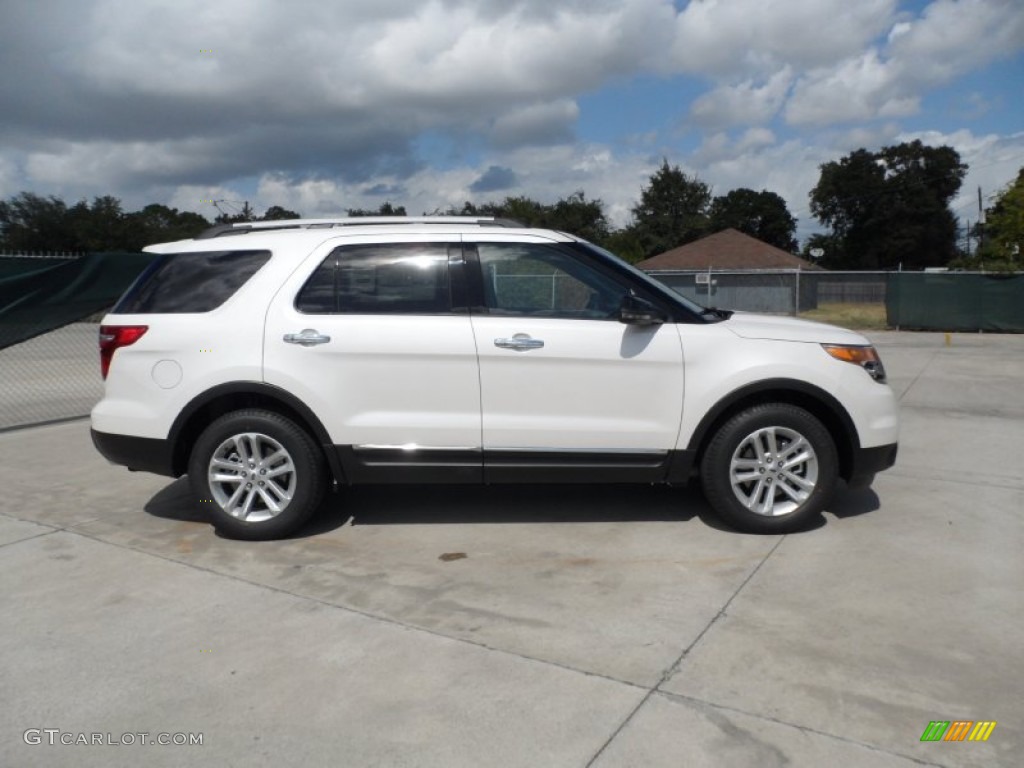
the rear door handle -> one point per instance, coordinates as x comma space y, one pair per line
309, 337
521, 342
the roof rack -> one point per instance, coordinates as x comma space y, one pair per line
221, 230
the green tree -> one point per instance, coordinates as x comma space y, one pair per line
157, 223
890, 207
246, 214
277, 213
673, 210
30, 223
829, 245
1004, 226
763, 215
522, 209
102, 226
386, 209
581, 217
625, 243
574, 214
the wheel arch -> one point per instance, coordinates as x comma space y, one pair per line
819, 403
234, 396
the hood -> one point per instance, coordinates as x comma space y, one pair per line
748, 325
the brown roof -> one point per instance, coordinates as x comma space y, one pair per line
728, 249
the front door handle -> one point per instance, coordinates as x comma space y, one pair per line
309, 337
521, 342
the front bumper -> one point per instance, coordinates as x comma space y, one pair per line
868, 461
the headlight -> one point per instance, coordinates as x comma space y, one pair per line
866, 357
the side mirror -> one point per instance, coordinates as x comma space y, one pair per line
637, 311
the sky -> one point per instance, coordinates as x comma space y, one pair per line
323, 105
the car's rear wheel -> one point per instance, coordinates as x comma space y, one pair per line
770, 469
258, 474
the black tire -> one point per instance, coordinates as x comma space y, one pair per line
277, 464
777, 498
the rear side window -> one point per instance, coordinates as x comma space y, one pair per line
190, 282
390, 278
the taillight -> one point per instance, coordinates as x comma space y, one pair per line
113, 337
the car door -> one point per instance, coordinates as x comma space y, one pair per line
568, 392
370, 341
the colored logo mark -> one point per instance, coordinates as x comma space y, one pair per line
958, 730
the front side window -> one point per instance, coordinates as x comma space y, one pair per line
390, 278
531, 279
190, 282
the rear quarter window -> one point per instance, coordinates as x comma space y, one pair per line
190, 282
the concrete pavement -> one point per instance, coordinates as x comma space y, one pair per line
534, 625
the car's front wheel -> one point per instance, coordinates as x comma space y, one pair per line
770, 469
259, 475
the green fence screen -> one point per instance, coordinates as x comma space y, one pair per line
39, 295
955, 302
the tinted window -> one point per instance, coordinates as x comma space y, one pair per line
527, 279
398, 278
190, 282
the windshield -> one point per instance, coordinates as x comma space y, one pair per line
657, 285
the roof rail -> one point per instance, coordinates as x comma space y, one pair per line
240, 228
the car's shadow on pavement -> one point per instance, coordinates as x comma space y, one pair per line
399, 505
851, 502
467, 504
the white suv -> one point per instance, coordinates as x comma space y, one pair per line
270, 360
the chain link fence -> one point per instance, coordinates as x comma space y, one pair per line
51, 377
789, 291
937, 300
50, 308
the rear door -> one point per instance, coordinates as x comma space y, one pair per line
373, 341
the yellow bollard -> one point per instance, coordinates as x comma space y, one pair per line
949, 339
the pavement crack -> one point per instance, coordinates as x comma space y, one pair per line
51, 530
359, 612
920, 373
30, 538
690, 700
669, 671
674, 667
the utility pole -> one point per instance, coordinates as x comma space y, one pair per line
981, 221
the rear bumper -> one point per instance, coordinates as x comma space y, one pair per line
868, 461
142, 454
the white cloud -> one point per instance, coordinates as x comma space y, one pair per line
956, 36
543, 123
950, 38
788, 168
322, 106
858, 88
741, 38
746, 103
10, 177
545, 174
755, 137
111, 163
